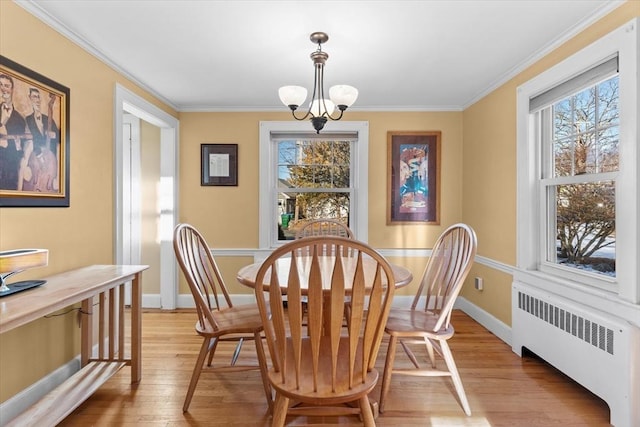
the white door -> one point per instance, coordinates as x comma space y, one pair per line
126, 196
131, 195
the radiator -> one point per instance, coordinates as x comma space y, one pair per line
598, 351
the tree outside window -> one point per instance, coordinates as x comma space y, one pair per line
314, 181
581, 187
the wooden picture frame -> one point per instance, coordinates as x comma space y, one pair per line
219, 164
413, 185
34, 138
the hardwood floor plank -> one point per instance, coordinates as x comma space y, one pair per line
503, 389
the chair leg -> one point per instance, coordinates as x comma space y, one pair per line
204, 349
457, 382
410, 354
368, 418
280, 411
212, 350
262, 361
432, 356
236, 353
388, 369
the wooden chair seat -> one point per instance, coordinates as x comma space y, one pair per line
239, 319
415, 323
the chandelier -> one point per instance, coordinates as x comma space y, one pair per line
320, 108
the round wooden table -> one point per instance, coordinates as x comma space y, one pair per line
247, 275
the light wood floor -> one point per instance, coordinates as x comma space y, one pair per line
502, 388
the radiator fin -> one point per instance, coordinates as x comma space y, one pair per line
591, 332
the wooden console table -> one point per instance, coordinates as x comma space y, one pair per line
97, 287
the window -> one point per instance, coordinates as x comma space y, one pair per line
313, 180
578, 203
579, 143
304, 175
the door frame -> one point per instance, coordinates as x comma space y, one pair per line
128, 102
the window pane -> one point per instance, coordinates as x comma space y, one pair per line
585, 131
342, 153
608, 149
562, 119
284, 176
608, 112
585, 221
585, 110
314, 164
298, 207
563, 157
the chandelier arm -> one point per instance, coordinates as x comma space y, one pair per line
293, 113
342, 110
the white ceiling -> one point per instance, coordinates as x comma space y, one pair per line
402, 55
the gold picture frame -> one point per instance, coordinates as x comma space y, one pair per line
34, 138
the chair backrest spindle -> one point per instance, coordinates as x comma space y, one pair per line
451, 259
201, 272
326, 281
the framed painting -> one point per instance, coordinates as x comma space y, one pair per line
34, 139
219, 164
413, 186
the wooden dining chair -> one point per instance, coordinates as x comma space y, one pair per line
218, 319
322, 368
428, 321
324, 227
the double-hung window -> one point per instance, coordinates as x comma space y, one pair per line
305, 176
578, 159
313, 179
579, 125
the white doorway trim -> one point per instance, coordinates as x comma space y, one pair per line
128, 102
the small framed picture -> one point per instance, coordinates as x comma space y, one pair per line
413, 193
219, 164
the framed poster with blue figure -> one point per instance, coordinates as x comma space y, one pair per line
413, 192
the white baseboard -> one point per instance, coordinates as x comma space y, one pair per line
151, 301
14, 406
492, 324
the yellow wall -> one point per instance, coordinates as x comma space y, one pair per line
478, 182
228, 215
83, 233
149, 210
489, 172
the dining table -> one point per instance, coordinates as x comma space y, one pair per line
247, 275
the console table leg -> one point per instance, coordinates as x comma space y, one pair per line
86, 328
136, 330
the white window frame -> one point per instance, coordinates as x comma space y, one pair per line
544, 122
268, 238
531, 215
